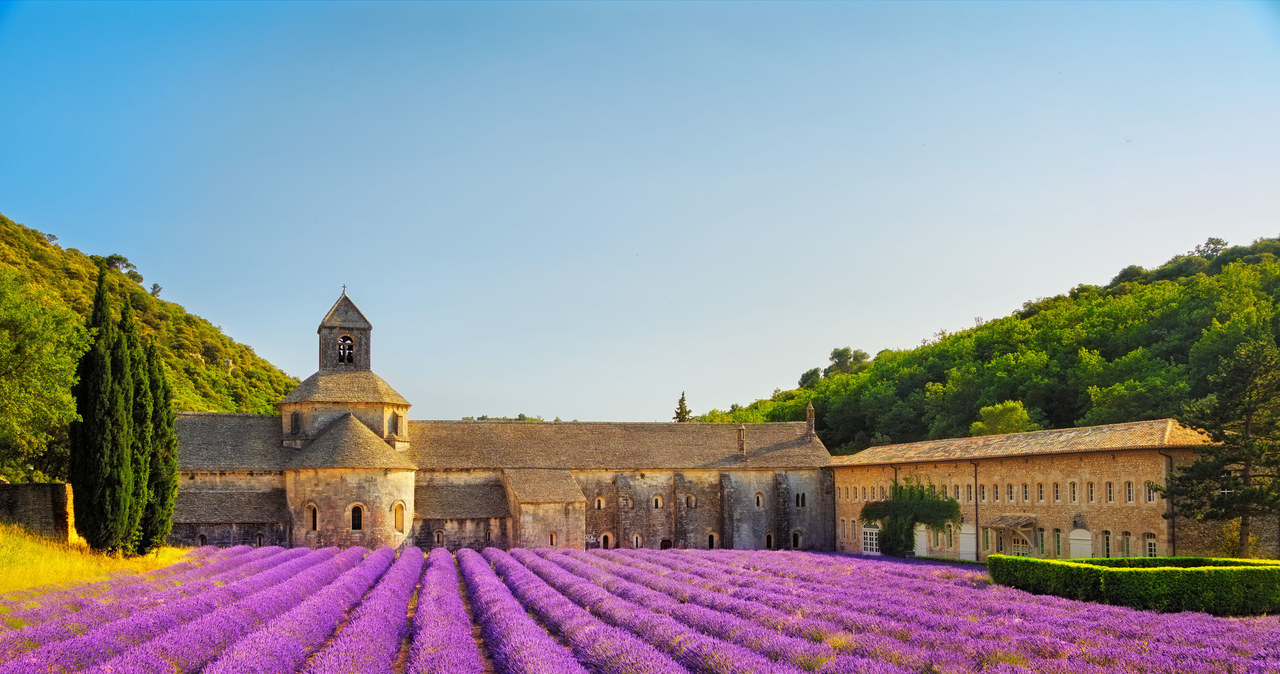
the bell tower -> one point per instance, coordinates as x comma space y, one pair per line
344, 338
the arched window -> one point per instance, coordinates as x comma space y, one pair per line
259, 540
604, 541
759, 500
657, 501
635, 540
357, 518
1040, 492
690, 501
1152, 548
400, 517
711, 541
314, 518
768, 541
795, 540
1026, 493
439, 539
551, 539
203, 540
346, 349
488, 536
599, 503
871, 539
1091, 492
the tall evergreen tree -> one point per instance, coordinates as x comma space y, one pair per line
100, 470
162, 482
682, 410
139, 376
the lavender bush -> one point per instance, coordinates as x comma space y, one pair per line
442, 640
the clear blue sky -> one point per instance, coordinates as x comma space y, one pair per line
582, 209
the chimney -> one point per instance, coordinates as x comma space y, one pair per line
742, 439
809, 419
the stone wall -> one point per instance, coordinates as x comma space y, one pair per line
335, 493
43, 509
475, 533
227, 535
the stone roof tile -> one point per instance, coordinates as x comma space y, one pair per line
612, 445
345, 314
348, 443
443, 501
531, 485
227, 507
213, 441
344, 386
1160, 433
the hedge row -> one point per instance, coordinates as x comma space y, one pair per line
1168, 584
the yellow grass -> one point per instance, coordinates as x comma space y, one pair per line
27, 560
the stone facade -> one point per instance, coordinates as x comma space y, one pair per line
45, 509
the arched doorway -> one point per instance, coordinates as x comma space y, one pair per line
711, 541
604, 541
1081, 543
666, 544
795, 540
768, 541
203, 540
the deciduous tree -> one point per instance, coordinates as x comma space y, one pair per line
910, 503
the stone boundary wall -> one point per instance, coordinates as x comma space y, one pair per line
44, 509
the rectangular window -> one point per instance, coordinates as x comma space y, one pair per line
999, 542
1152, 551
1073, 492
1110, 496
1040, 538
844, 530
1151, 494
1026, 493
882, 496
982, 493
1040, 492
871, 540
957, 492
1057, 542
1011, 493
1091, 492
1106, 544
1019, 547
995, 492
864, 493
1128, 492
1057, 497
1125, 549
986, 539
968, 493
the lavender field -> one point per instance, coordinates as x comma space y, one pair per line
274, 610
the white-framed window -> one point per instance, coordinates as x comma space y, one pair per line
1019, 547
1152, 549
1040, 492
1110, 496
1026, 492
1151, 494
1057, 495
871, 539
1128, 492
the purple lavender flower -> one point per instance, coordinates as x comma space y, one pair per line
441, 627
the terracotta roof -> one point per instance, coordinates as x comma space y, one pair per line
529, 485
344, 386
226, 507
460, 501
611, 446
208, 441
1160, 433
345, 314
348, 443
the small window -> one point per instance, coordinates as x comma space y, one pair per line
295, 422
1152, 549
844, 529
711, 541
203, 540
982, 493
1125, 546
864, 493
1090, 491
346, 349
599, 503
1128, 492
1073, 493
551, 539
768, 541
657, 502
357, 518
393, 424
314, 517
259, 540
1011, 493
1106, 544
995, 493
795, 540
1026, 493
1040, 492
488, 536
986, 539
1040, 539
882, 494
1151, 494
690, 501
760, 500
604, 541
951, 536
968, 493
400, 517
1057, 496
1110, 496
1057, 542
957, 492
439, 539
635, 541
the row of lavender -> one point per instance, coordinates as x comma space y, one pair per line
323, 611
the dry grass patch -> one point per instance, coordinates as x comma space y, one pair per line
28, 561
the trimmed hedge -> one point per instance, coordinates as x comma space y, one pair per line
1167, 584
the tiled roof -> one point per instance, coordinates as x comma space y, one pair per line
345, 314
348, 443
208, 441
1161, 433
530, 485
460, 501
343, 386
226, 507
611, 446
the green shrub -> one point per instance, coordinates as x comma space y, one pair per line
1169, 584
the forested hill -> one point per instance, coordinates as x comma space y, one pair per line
210, 371
1137, 348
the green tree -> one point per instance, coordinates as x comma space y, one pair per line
682, 410
1237, 478
42, 342
100, 468
810, 378
910, 503
1009, 416
162, 481
845, 360
140, 422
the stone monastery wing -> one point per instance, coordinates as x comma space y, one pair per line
209, 441
443, 445
543, 486
1161, 433
348, 443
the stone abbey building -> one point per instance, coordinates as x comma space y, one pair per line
342, 464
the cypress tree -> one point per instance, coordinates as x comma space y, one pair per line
139, 377
100, 470
162, 482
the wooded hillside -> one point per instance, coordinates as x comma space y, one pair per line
1137, 348
210, 371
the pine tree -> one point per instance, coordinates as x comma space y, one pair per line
100, 469
140, 423
162, 482
682, 410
